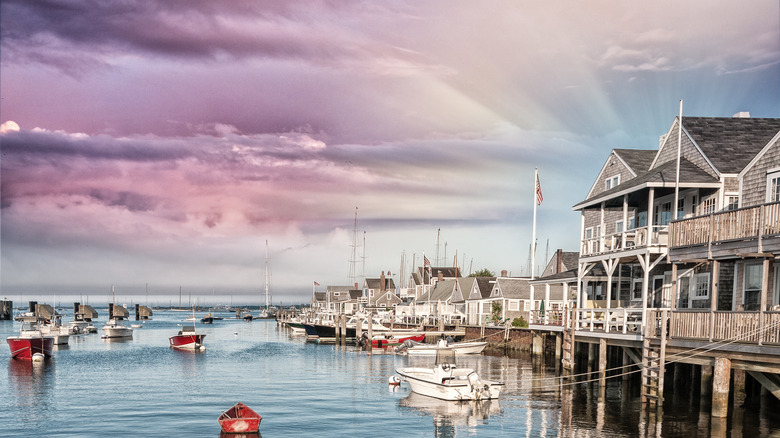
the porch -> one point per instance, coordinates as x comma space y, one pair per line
750, 230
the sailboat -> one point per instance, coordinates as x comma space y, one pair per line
264, 313
115, 328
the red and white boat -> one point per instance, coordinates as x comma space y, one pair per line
187, 339
392, 341
30, 340
239, 419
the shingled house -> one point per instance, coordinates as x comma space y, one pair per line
694, 224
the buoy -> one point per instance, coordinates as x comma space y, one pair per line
394, 381
38, 357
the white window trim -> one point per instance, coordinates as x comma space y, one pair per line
513, 305
770, 175
744, 279
634, 281
692, 289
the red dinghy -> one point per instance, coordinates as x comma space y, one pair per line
239, 419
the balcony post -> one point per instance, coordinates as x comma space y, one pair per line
650, 200
760, 228
762, 305
714, 297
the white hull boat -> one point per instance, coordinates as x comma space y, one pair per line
457, 348
115, 329
448, 382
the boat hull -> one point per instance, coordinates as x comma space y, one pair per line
187, 342
239, 419
394, 342
452, 384
462, 348
24, 347
117, 332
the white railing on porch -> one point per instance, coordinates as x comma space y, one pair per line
626, 240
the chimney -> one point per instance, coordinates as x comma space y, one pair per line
382, 282
559, 268
356, 286
503, 273
441, 276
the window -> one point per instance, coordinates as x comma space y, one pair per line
773, 186
514, 305
642, 220
680, 208
588, 233
701, 290
709, 206
663, 214
732, 202
612, 182
693, 205
619, 226
752, 288
636, 289
525, 305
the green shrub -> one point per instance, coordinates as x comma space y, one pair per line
520, 322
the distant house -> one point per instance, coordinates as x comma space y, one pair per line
478, 301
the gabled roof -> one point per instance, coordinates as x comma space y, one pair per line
441, 291
663, 175
465, 285
376, 283
386, 299
485, 285
514, 288
447, 272
730, 143
637, 160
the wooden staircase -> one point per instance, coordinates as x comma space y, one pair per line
654, 358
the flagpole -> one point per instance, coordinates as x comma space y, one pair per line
677, 178
533, 236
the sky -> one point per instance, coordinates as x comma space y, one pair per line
152, 146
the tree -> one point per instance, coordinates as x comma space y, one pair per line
484, 272
495, 314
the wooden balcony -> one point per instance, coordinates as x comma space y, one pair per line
626, 241
757, 328
746, 230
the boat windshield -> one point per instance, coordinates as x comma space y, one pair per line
445, 356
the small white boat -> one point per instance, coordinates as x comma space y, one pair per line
442, 345
115, 329
448, 382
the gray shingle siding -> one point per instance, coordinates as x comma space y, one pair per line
754, 180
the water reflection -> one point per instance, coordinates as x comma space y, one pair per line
188, 360
240, 435
31, 382
450, 415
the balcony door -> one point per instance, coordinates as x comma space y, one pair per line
661, 295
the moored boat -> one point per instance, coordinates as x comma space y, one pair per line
114, 328
446, 381
187, 339
240, 419
384, 341
457, 348
30, 340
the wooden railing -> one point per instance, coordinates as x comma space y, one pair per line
626, 240
744, 223
731, 327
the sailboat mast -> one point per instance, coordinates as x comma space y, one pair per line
266, 275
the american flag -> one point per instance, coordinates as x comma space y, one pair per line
426, 262
539, 196
316, 284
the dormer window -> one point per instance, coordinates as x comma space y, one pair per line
612, 182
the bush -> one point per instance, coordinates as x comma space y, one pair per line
520, 322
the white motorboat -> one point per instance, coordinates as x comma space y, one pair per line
446, 381
55, 329
456, 347
114, 328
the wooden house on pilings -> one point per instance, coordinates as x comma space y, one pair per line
688, 258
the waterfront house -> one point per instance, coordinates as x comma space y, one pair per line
513, 295
556, 287
692, 227
478, 301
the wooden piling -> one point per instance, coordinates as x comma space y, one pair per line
720, 387
706, 382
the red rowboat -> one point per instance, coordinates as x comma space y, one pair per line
392, 342
239, 419
30, 340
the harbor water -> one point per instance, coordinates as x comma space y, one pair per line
142, 387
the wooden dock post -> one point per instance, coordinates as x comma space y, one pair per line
706, 382
370, 321
558, 346
537, 347
720, 387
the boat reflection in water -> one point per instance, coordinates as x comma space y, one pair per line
223, 434
451, 415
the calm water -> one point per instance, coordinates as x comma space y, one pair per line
141, 387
